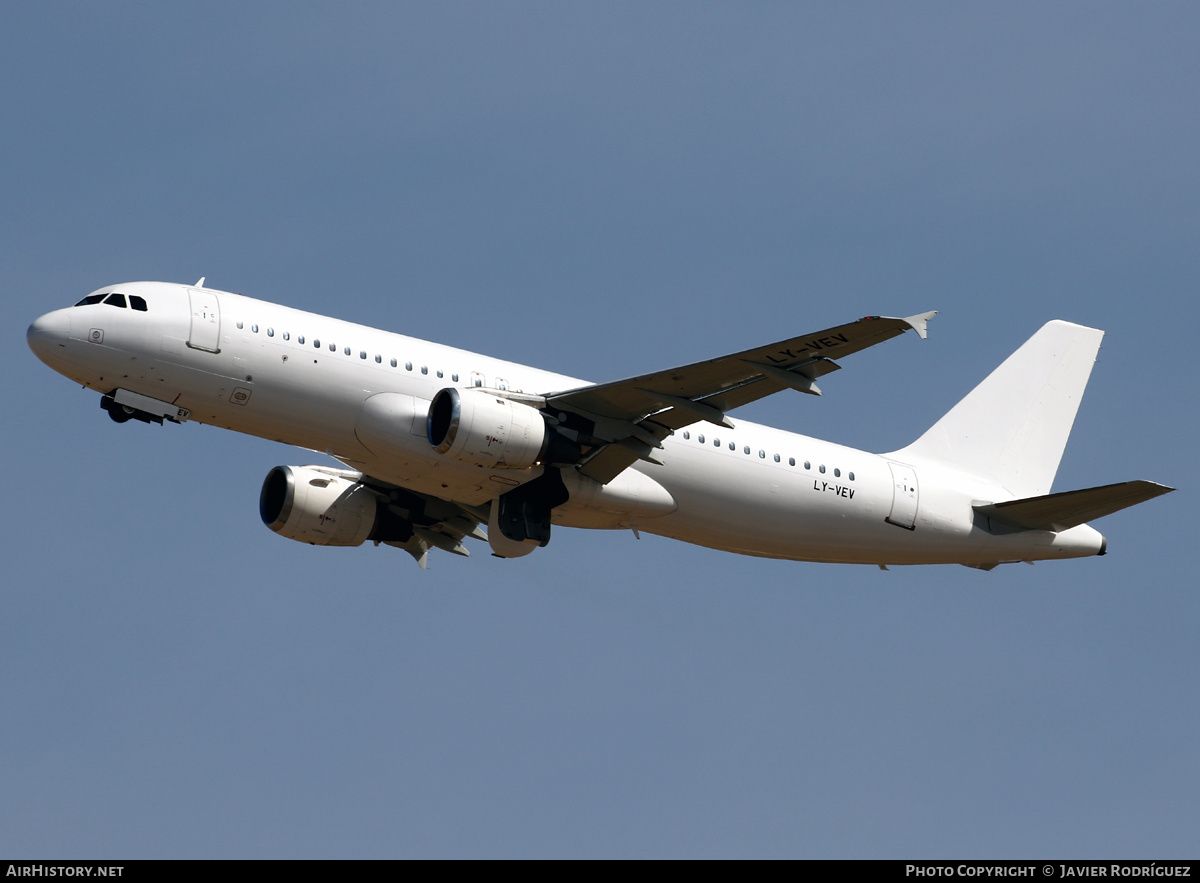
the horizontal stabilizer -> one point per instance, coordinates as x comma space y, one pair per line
1067, 509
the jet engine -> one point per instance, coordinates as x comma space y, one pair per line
322, 508
478, 428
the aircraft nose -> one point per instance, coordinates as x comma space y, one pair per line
48, 332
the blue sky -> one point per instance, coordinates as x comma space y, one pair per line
601, 190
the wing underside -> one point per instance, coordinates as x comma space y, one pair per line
421, 522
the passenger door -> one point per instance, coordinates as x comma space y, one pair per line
205, 333
904, 496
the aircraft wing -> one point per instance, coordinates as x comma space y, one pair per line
631, 417
435, 523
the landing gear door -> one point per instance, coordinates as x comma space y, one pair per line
904, 496
205, 332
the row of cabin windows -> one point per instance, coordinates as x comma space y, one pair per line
115, 300
139, 303
837, 472
362, 354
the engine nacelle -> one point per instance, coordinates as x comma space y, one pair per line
310, 505
476, 427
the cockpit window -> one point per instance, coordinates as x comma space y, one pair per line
91, 299
115, 300
138, 303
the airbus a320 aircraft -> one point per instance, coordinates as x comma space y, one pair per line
439, 442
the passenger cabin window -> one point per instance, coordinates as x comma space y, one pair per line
732, 446
362, 354
300, 339
270, 332
746, 450
776, 458
316, 343
378, 358
454, 377
346, 351
408, 366
686, 434
333, 347
424, 369
91, 299
239, 325
393, 363
138, 303
821, 469
287, 335
254, 328
115, 300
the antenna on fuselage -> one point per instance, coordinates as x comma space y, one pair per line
200, 284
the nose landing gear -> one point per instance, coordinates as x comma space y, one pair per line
124, 405
123, 413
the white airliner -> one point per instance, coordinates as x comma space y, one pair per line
439, 441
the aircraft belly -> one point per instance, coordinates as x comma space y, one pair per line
631, 499
771, 510
104, 368
765, 510
316, 404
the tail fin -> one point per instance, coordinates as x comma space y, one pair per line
1013, 427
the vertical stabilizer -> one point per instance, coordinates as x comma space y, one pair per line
1012, 428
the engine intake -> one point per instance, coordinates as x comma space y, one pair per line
485, 430
321, 508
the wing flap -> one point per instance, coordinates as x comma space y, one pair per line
1070, 508
608, 462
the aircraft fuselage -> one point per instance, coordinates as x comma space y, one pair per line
361, 394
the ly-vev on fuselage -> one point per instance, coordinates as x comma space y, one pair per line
440, 442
